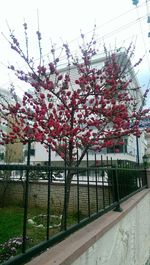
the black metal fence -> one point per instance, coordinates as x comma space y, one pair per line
94, 189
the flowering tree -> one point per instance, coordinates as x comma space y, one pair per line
91, 111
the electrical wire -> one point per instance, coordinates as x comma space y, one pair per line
111, 33
143, 39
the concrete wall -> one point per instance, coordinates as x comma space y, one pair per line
38, 192
126, 243
113, 239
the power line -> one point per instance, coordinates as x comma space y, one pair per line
110, 21
102, 25
143, 39
114, 32
111, 33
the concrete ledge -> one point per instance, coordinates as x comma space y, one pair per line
67, 251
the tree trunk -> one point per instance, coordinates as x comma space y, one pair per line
67, 189
5, 184
3, 195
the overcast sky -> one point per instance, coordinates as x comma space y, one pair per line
118, 23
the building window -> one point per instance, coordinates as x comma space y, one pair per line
32, 152
118, 148
1, 156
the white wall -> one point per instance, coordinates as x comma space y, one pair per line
41, 154
126, 243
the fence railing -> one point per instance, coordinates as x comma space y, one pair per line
49, 212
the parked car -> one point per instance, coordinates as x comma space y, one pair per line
92, 180
57, 177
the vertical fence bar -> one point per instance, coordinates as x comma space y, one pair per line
124, 181
88, 183
78, 194
111, 162
103, 188
108, 179
140, 179
96, 183
66, 187
107, 161
144, 179
122, 164
103, 192
116, 190
137, 150
48, 195
26, 199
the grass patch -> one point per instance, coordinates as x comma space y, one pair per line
11, 220
11, 227
11, 224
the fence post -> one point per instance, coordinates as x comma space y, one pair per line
116, 190
148, 177
88, 183
78, 193
26, 199
66, 191
96, 174
48, 194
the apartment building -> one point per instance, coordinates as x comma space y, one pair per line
133, 149
10, 153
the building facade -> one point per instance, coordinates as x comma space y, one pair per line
148, 146
134, 147
10, 153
